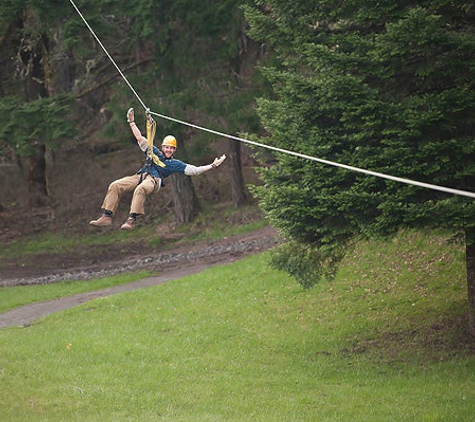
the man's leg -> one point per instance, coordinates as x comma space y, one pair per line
112, 198
137, 207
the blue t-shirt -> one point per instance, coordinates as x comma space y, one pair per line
172, 165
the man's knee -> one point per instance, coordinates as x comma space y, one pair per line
141, 189
119, 186
113, 186
145, 188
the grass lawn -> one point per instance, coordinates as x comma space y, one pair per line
243, 342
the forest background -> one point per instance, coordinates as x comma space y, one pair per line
387, 87
64, 134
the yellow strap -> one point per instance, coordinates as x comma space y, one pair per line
157, 161
151, 129
151, 125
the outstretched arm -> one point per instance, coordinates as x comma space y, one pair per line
191, 170
141, 140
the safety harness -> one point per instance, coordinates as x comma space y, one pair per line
151, 157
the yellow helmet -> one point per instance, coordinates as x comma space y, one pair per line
169, 140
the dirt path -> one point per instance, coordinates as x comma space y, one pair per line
169, 266
24, 315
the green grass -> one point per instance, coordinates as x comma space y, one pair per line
55, 243
243, 342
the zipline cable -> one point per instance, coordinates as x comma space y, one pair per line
107, 54
331, 163
270, 147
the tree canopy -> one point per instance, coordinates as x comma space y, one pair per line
386, 86
181, 58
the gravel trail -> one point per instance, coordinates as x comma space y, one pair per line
168, 265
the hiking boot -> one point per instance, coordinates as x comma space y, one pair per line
129, 224
103, 221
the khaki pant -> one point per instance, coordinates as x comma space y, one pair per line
148, 186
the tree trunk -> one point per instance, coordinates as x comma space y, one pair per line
184, 198
34, 64
183, 192
238, 188
241, 65
470, 263
46, 73
37, 179
50, 66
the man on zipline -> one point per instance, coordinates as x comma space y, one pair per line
159, 165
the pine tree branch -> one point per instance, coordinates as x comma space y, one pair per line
109, 79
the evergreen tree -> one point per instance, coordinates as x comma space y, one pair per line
386, 86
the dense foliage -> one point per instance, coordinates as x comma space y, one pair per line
386, 86
182, 58
188, 60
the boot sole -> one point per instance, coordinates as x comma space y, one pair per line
99, 225
127, 228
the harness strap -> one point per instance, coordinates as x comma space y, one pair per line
145, 169
151, 129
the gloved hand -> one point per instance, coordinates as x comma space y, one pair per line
130, 115
218, 161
